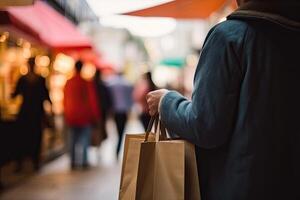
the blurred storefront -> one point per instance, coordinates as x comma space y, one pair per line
177, 53
168, 46
39, 30
165, 38
139, 38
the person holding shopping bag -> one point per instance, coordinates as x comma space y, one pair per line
243, 115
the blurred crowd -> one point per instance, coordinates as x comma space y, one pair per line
88, 104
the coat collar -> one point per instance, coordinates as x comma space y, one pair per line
285, 14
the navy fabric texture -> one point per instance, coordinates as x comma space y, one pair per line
244, 113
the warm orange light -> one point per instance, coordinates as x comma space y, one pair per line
23, 70
43, 61
58, 81
20, 41
4, 37
26, 53
27, 45
88, 71
57, 95
63, 63
11, 55
44, 72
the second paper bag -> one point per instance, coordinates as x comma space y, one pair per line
167, 171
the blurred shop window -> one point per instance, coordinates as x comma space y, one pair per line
88, 71
64, 64
14, 53
166, 76
63, 67
43, 63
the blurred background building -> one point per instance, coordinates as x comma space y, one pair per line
129, 36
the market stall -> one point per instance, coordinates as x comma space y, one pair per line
37, 30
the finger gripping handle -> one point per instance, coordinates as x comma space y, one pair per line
161, 133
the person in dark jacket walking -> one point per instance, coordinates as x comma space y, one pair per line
105, 101
32, 87
243, 115
121, 92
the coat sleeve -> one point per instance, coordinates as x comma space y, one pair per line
208, 119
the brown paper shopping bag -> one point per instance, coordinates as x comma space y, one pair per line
167, 170
130, 164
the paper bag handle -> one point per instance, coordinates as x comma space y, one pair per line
160, 132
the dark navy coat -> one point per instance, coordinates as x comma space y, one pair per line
244, 116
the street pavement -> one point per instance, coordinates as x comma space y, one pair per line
57, 182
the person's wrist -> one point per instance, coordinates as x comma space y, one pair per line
161, 99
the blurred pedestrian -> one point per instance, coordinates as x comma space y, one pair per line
244, 113
32, 87
121, 91
105, 102
81, 113
141, 89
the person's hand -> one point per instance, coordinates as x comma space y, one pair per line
153, 99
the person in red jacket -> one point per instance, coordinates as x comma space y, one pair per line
81, 112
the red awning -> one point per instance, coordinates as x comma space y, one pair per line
92, 56
105, 66
183, 9
86, 55
47, 25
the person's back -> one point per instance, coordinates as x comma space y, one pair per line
243, 113
33, 89
261, 158
76, 103
81, 111
80, 100
121, 92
